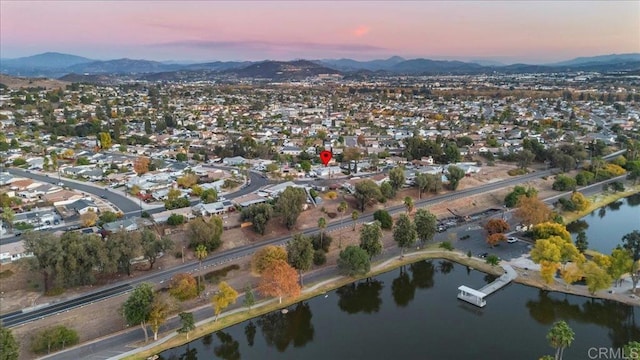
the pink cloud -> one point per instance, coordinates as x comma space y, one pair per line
361, 30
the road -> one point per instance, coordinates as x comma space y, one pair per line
118, 343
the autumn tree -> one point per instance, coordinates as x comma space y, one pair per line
548, 229
512, 198
366, 192
89, 218
597, 278
207, 233
532, 211
160, 309
404, 232
137, 308
300, 253
371, 239
495, 239
290, 204
225, 296
426, 225
496, 226
187, 181
620, 264
279, 280
183, 287
570, 274
353, 261
105, 140
580, 202
141, 165
266, 257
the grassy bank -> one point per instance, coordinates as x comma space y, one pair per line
315, 289
597, 201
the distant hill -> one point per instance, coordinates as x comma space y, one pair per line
123, 66
13, 82
57, 65
601, 59
298, 69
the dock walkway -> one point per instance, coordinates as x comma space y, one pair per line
476, 297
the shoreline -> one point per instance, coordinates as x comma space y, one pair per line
598, 200
431, 252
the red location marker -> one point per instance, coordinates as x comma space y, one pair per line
325, 156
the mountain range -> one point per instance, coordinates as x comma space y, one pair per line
57, 65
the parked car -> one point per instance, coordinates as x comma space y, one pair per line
512, 240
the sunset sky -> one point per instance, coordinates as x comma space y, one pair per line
508, 31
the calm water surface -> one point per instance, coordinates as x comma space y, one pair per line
413, 313
606, 226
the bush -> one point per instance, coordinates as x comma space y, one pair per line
386, 221
567, 205
446, 245
584, 178
19, 162
177, 203
516, 172
319, 257
175, 219
55, 291
53, 339
145, 214
564, 183
492, 260
332, 195
22, 226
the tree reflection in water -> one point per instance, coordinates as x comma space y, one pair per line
618, 318
295, 327
402, 289
229, 348
633, 200
575, 227
250, 332
362, 296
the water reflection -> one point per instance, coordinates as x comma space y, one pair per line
229, 349
577, 226
619, 319
633, 200
402, 289
614, 206
295, 327
361, 296
250, 332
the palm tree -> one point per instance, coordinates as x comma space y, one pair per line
408, 202
342, 208
560, 336
201, 254
354, 216
7, 218
322, 224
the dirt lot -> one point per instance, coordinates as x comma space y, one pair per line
13, 82
98, 320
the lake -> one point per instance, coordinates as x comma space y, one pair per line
413, 313
606, 226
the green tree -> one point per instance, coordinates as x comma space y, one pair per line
209, 196
366, 191
147, 126
560, 337
249, 296
426, 225
187, 323
123, 247
322, 224
404, 232
207, 233
259, 215
201, 253
354, 216
7, 217
421, 183
370, 239
290, 204
53, 339
582, 243
153, 246
225, 296
300, 254
525, 158
384, 218
353, 261
631, 242
631, 350
137, 308
621, 263
511, 200
387, 191
454, 175
396, 178
408, 203
8, 344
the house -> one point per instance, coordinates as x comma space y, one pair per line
82, 206
215, 208
120, 225
233, 161
12, 252
290, 150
